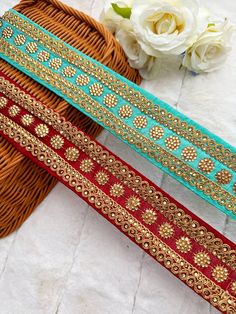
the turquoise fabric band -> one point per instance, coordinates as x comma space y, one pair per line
182, 148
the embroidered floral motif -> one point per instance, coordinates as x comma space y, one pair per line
183, 244
27, 119
133, 203
13, 110
101, 177
125, 111
220, 273
57, 141
149, 216
166, 230
116, 190
71, 154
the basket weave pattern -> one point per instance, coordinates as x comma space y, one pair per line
23, 185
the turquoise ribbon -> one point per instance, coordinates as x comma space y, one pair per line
191, 154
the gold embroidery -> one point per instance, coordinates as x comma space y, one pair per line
156, 132
155, 198
189, 153
7, 32
174, 164
162, 116
55, 63
32, 47
43, 56
202, 259
27, 119
183, 244
116, 190
3, 102
133, 203
110, 100
233, 287
101, 177
13, 110
223, 176
220, 273
71, 154
149, 216
206, 165
68, 71
41, 130
57, 141
82, 80
20, 39
172, 142
96, 89
86, 165
124, 220
140, 122
125, 111
166, 231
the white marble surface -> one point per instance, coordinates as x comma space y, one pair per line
66, 259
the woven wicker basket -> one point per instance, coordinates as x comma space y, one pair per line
22, 184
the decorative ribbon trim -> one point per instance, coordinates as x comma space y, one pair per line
192, 250
188, 152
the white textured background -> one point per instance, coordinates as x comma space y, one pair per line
66, 259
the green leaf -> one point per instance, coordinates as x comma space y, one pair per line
211, 24
124, 12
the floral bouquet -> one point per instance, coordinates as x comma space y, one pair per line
152, 30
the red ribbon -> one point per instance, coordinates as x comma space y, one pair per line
191, 249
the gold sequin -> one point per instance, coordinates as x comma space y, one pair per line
156, 132
189, 153
96, 89
101, 177
55, 63
206, 165
86, 165
116, 190
68, 71
110, 100
233, 287
149, 216
27, 119
3, 102
220, 273
7, 32
31, 47
133, 203
202, 259
20, 39
183, 244
13, 110
72, 154
57, 141
172, 142
125, 111
82, 80
166, 230
43, 56
41, 130
140, 122
223, 176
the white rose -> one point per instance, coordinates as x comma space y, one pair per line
211, 48
109, 17
137, 58
167, 27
